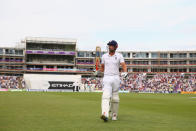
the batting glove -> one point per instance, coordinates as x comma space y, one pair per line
124, 75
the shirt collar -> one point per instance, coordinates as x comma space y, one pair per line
112, 55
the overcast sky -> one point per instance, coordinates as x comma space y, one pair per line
134, 24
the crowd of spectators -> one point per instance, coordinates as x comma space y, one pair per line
152, 83
135, 82
12, 82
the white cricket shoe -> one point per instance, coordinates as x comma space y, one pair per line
114, 117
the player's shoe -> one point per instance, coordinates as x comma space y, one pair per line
103, 117
114, 117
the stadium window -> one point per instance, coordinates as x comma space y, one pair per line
91, 60
135, 62
140, 70
145, 62
140, 55
140, 62
154, 55
147, 55
154, 62
183, 55
154, 70
178, 55
125, 54
182, 70
49, 66
134, 55
129, 69
19, 52
127, 62
9, 51
163, 62
177, 62
192, 55
193, 62
163, 55
93, 54
128, 55
80, 54
88, 54
192, 70
159, 70
174, 70
163, 70
1, 51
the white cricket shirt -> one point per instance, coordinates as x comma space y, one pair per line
112, 63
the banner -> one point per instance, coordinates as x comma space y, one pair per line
184, 92
51, 81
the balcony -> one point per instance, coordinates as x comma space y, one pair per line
51, 52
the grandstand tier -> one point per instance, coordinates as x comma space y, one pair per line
60, 56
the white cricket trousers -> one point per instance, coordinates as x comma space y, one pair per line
110, 97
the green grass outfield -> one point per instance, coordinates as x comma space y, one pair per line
58, 111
